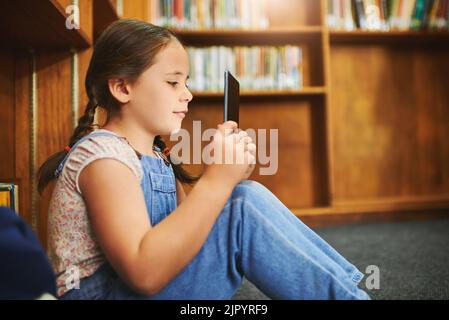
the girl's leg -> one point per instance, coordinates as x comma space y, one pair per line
257, 236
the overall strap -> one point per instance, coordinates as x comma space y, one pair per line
90, 135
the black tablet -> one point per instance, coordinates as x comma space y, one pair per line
231, 97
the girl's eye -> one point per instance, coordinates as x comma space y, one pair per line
175, 83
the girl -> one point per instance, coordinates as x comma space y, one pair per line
119, 219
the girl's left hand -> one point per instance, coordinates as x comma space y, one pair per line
251, 148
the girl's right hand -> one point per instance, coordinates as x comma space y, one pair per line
229, 138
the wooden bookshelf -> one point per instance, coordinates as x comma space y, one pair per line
365, 138
298, 114
39, 24
370, 37
271, 36
265, 93
41, 58
344, 72
387, 97
248, 32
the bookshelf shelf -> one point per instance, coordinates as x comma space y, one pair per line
252, 32
276, 35
38, 24
360, 36
267, 93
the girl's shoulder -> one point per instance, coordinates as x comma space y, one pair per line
97, 145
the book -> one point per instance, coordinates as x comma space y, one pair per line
360, 11
385, 15
9, 196
372, 14
340, 15
426, 13
256, 67
417, 18
210, 14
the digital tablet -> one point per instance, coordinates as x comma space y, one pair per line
231, 97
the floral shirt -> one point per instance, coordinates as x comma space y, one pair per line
72, 248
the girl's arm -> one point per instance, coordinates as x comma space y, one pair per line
180, 193
147, 257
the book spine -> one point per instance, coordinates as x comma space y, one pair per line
433, 14
409, 13
348, 20
372, 15
417, 18
447, 15
393, 14
360, 14
331, 19
442, 16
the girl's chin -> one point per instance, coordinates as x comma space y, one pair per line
176, 130
173, 130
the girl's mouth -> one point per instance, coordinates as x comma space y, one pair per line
181, 114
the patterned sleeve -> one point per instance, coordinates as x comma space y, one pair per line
100, 147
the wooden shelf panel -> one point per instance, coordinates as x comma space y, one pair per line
389, 37
267, 93
38, 24
281, 35
419, 208
105, 12
234, 32
379, 205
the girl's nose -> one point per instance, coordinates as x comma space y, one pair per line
187, 96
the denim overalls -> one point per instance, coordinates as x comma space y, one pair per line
254, 236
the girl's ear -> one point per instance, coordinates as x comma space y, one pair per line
119, 89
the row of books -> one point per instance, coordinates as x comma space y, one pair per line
256, 68
9, 196
210, 14
385, 15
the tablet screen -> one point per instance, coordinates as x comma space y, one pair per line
231, 97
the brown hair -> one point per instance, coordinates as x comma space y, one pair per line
125, 49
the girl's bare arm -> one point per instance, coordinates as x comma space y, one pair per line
180, 193
147, 257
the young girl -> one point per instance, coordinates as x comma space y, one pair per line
119, 219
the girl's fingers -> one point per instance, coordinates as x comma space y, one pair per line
246, 140
242, 134
251, 147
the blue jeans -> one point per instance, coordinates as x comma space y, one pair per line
255, 236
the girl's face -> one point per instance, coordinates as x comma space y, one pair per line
159, 98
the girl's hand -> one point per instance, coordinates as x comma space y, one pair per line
229, 140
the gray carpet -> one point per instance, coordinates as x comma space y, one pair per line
413, 258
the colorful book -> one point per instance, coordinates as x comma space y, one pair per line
210, 14
9, 196
418, 18
360, 10
257, 68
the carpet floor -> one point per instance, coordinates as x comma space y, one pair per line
412, 257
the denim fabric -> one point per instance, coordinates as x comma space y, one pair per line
255, 236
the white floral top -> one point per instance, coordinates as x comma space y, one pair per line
72, 247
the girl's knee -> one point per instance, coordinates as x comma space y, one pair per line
248, 187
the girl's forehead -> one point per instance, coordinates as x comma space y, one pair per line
173, 55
